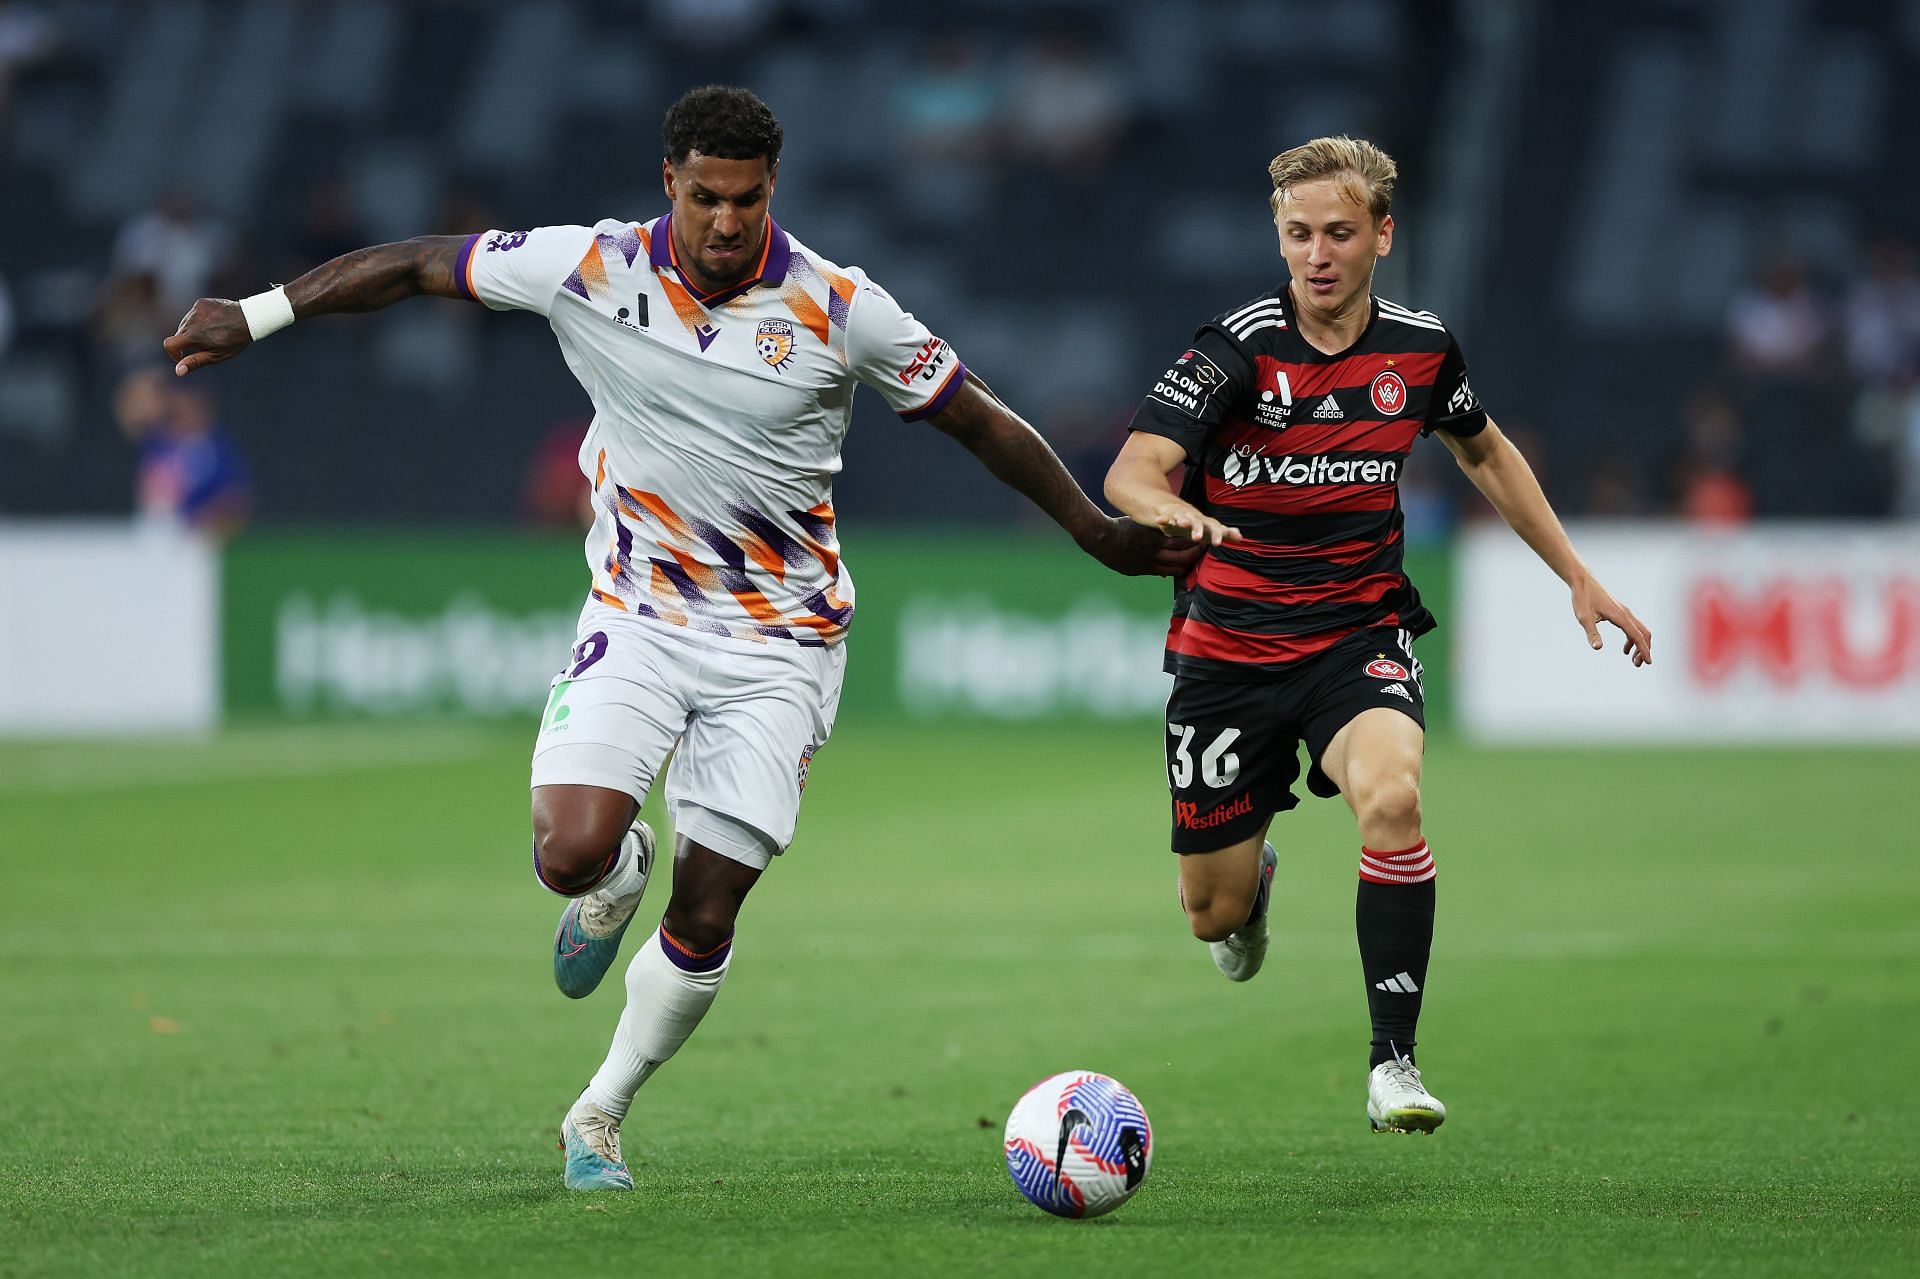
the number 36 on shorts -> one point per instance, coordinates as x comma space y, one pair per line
1219, 766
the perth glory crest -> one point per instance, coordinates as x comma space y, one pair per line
774, 341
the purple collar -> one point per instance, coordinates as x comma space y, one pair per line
774, 259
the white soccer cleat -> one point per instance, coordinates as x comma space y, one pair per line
1245, 948
1398, 1102
602, 916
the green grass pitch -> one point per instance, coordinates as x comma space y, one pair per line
280, 1004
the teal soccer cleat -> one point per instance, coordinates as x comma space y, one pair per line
591, 927
591, 1138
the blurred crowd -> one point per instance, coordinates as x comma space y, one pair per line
1810, 408
189, 470
1119, 221
1820, 387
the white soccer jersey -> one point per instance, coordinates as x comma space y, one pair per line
717, 420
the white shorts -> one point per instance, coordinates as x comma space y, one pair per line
741, 720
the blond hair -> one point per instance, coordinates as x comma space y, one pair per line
1365, 172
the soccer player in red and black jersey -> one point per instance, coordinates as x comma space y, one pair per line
1293, 416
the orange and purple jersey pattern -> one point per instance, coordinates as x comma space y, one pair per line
718, 417
675, 579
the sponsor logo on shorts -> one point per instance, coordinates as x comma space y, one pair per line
773, 342
1389, 394
806, 765
1189, 817
1384, 667
1398, 690
587, 652
555, 719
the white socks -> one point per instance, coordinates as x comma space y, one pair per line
669, 990
625, 880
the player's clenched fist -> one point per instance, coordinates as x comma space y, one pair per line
214, 330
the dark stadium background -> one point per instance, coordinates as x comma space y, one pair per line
1063, 190
274, 987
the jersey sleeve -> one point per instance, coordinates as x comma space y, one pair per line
889, 350
520, 270
1197, 391
1454, 408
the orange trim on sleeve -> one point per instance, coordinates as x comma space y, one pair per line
614, 600
940, 390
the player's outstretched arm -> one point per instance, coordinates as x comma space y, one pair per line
1500, 473
1140, 486
1021, 459
216, 329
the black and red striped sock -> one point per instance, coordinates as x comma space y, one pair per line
1393, 916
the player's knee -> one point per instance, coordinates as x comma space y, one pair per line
571, 860
1211, 927
1214, 916
1389, 810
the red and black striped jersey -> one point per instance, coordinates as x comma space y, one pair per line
1303, 452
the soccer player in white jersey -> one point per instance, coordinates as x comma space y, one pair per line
721, 356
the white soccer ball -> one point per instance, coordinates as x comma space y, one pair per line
1078, 1144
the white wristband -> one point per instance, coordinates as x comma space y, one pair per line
267, 312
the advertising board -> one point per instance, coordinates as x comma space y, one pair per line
1784, 633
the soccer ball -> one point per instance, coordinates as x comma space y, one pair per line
1078, 1144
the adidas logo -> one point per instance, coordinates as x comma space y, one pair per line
1329, 411
1401, 985
1398, 690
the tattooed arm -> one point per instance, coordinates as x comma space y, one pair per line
364, 280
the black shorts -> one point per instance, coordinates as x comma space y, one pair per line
1233, 750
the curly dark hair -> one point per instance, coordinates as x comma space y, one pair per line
723, 121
